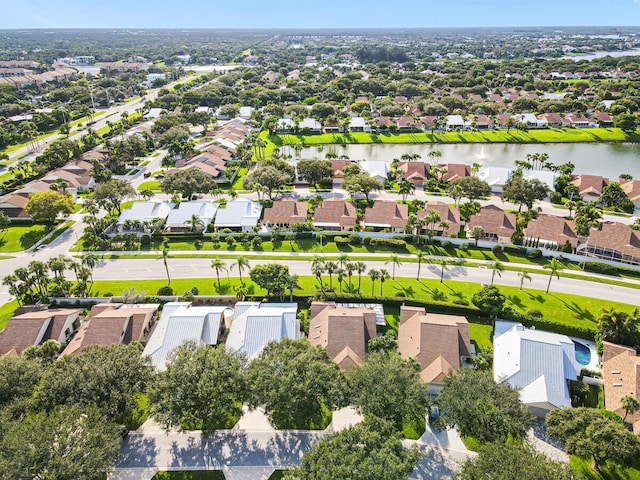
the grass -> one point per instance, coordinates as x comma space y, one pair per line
565, 309
608, 472
237, 183
481, 334
191, 475
150, 185
6, 312
21, 237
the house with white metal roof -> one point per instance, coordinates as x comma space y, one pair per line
496, 177
181, 322
455, 122
545, 176
239, 214
179, 219
256, 324
538, 363
146, 212
359, 124
378, 169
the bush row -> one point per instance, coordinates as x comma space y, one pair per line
533, 320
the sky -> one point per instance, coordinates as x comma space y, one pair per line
315, 14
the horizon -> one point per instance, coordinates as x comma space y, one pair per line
333, 14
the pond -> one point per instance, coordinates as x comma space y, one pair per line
606, 159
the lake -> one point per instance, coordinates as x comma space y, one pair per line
606, 159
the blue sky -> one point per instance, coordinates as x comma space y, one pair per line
307, 14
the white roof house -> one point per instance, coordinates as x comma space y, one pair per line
359, 124
310, 123
455, 121
181, 322
546, 177
378, 169
205, 210
239, 213
538, 363
154, 113
256, 324
496, 177
146, 211
245, 112
530, 120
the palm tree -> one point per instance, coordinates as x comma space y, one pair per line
219, 266
395, 260
195, 221
477, 233
554, 266
497, 268
443, 268
165, 254
241, 264
571, 205
523, 276
340, 273
406, 188
318, 267
330, 267
147, 194
343, 259
292, 283
374, 275
421, 256
383, 276
630, 405
361, 267
241, 292
350, 268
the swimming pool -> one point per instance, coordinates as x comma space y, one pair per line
583, 354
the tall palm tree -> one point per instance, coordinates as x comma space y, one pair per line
343, 259
554, 266
330, 267
195, 221
497, 268
383, 276
477, 233
340, 273
292, 283
241, 264
361, 267
318, 267
147, 194
395, 260
630, 405
406, 188
374, 275
443, 268
350, 268
421, 256
523, 275
164, 256
219, 266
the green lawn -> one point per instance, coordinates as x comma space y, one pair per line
150, 185
481, 335
191, 475
18, 237
237, 183
609, 472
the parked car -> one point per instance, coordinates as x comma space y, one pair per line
147, 174
160, 176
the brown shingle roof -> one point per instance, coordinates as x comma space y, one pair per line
494, 221
616, 236
455, 171
286, 212
335, 211
417, 172
632, 189
436, 341
387, 214
552, 228
447, 214
621, 375
589, 184
338, 167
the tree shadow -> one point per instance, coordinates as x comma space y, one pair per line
537, 298
30, 238
516, 300
580, 312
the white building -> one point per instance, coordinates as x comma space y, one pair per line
256, 324
545, 176
146, 212
181, 322
496, 177
378, 169
538, 363
179, 219
245, 112
240, 214
359, 124
455, 122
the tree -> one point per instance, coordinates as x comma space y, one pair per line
361, 182
421, 256
618, 327
330, 267
67, 442
405, 188
388, 387
590, 434
630, 405
45, 206
294, 382
241, 264
473, 188
272, 277
443, 268
18, 378
202, 389
395, 260
373, 275
587, 216
187, 183
268, 178
626, 122
508, 461
361, 267
614, 197
219, 266
489, 300
523, 275
477, 233
497, 268
317, 267
110, 194
386, 343
554, 266
384, 275
480, 408
147, 194
164, 250
524, 192
195, 221
5, 222
367, 451
314, 171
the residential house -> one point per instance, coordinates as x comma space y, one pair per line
632, 189
454, 171
529, 120
180, 219
182, 322
449, 215
538, 363
553, 120
455, 122
578, 120
378, 169
603, 119
152, 211
239, 214
545, 176
589, 186
551, 231
482, 122
35, 327
285, 213
338, 167
504, 121
332, 127
416, 172
382, 123
621, 375
496, 177
359, 124
310, 125
497, 224
245, 112
256, 324
114, 323
284, 125
386, 214
335, 214
438, 342
428, 122
612, 241
407, 124
12, 205
344, 330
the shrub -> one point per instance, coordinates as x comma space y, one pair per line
389, 242
210, 228
464, 246
187, 297
567, 247
230, 240
602, 268
535, 253
145, 240
198, 244
341, 241
195, 291
447, 244
555, 197
517, 238
354, 239
366, 240
165, 291
514, 249
226, 231
534, 313
256, 242
496, 249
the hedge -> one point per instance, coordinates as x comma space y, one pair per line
509, 313
389, 242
